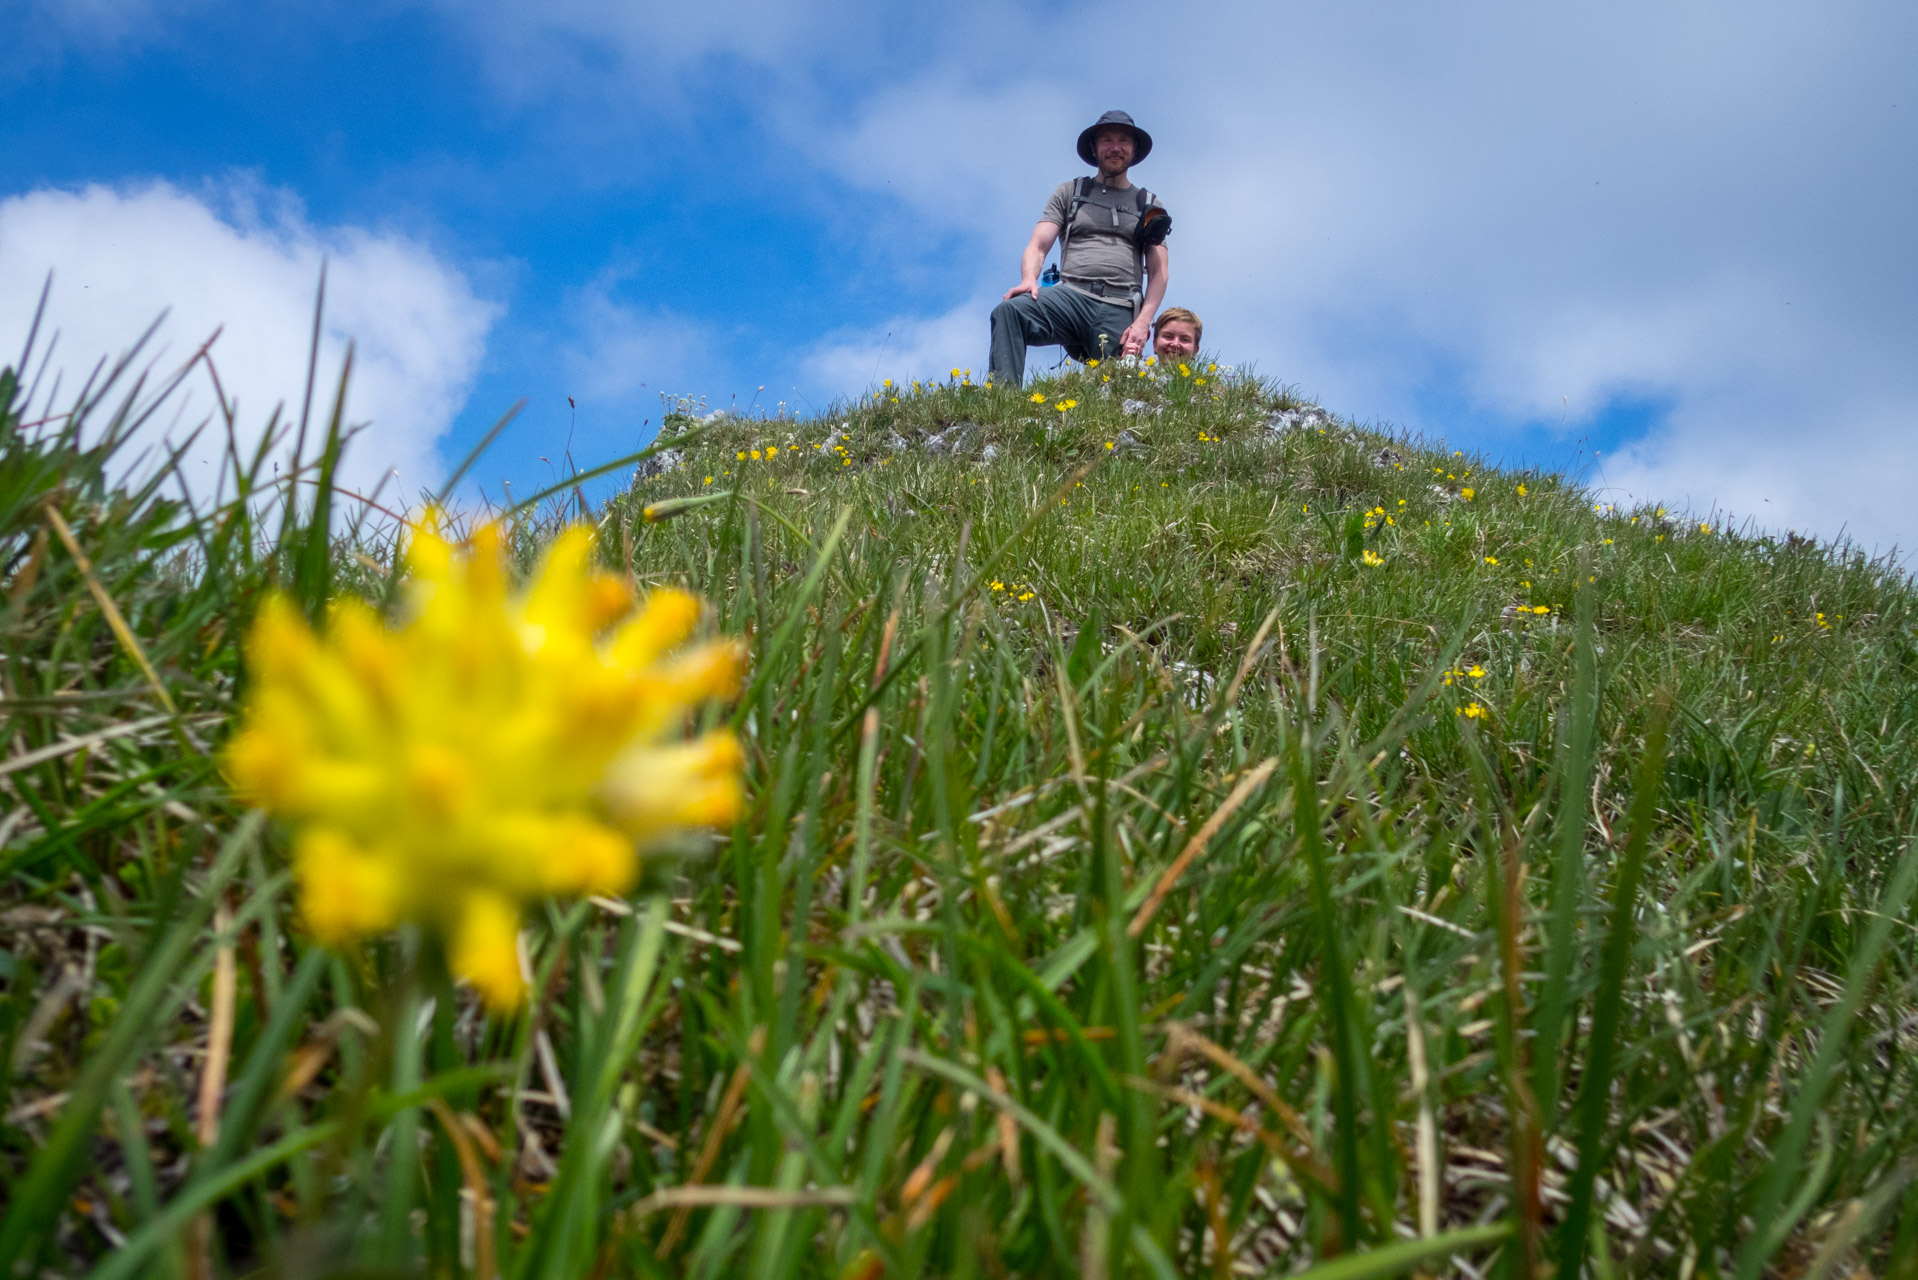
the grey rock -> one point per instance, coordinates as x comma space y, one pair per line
988, 453
659, 464
1308, 417
896, 442
1135, 407
718, 415
953, 441
1387, 459
1126, 442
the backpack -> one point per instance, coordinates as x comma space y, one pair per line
1153, 226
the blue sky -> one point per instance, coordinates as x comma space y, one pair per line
1675, 234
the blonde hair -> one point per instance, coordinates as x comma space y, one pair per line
1181, 315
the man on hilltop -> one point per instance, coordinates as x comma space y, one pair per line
1112, 261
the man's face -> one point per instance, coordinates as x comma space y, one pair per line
1114, 149
1175, 340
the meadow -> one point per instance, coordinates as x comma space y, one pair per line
1185, 834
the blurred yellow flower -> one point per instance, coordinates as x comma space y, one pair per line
1522, 491
1491, 559
1465, 494
1372, 557
888, 382
955, 373
1093, 363
755, 455
1038, 397
491, 749
1477, 672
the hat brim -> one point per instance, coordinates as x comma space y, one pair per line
1141, 142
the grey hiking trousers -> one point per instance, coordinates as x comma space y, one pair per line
1084, 325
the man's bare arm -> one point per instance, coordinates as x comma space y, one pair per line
1044, 236
1158, 269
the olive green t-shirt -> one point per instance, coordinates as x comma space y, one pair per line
1100, 251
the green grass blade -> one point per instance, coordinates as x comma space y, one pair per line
1788, 1151
36, 1203
1568, 877
1594, 1099
1397, 1259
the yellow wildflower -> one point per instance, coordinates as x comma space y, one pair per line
955, 373
1477, 672
492, 749
1465, 494
1093, 363
709, 479
1491, 559
1371, 557
755, 455
1108, 444
1185, 370
1522, 491
889, 382
1038, 397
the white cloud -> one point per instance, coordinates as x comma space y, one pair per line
618, 348
1696, 205
40, 30
904, 348
246, 263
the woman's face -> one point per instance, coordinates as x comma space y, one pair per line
1175, 340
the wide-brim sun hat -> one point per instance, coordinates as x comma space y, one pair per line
1141, 140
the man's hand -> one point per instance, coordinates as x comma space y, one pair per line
1137, 334
1043, 237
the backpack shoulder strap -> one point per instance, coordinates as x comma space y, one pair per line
1081, 192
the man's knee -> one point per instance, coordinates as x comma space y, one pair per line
1008, 313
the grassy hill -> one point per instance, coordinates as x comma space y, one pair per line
1186, 834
